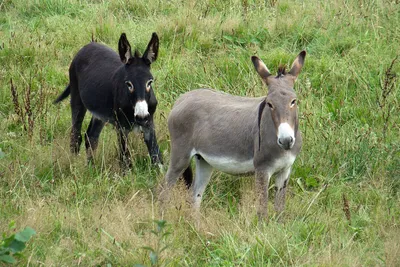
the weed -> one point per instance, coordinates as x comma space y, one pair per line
30, 107
388, 86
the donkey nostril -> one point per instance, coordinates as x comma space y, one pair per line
286, 142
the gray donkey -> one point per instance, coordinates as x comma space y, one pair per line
237, 135
115, 89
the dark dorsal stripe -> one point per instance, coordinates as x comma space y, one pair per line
260, 111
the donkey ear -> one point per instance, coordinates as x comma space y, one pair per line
260, 68
298, 64
124, 49
150, 55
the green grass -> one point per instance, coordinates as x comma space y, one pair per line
97, 215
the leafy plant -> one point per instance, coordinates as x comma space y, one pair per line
161, 234
13, 245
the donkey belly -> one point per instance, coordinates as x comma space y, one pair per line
98, 99
228, 164
100, 107
103, 116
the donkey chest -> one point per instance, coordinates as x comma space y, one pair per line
285, 161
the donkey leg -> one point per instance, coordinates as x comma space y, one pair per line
203, 175
78, 114
124, 155
262, 182
92, 137
150, 139
179, 162
281, 182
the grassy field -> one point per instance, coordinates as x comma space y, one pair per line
344, 193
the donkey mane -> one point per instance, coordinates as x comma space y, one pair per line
137, 54
281, 71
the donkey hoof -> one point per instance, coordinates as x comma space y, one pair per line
126, 166
75, 149
156, 160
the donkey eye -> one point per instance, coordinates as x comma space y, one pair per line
270, 105
130, 86
148, 85
293, 102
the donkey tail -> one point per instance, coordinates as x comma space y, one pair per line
188, 176
63, 95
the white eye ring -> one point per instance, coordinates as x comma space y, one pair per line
130, 86
293, 103
148, 84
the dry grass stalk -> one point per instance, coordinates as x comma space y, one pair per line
17, 107
387, 87
346, 208
28, 111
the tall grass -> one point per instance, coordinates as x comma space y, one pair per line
342, 206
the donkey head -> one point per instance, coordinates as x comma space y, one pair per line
281, 100
134, 80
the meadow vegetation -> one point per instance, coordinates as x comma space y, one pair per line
344, 193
